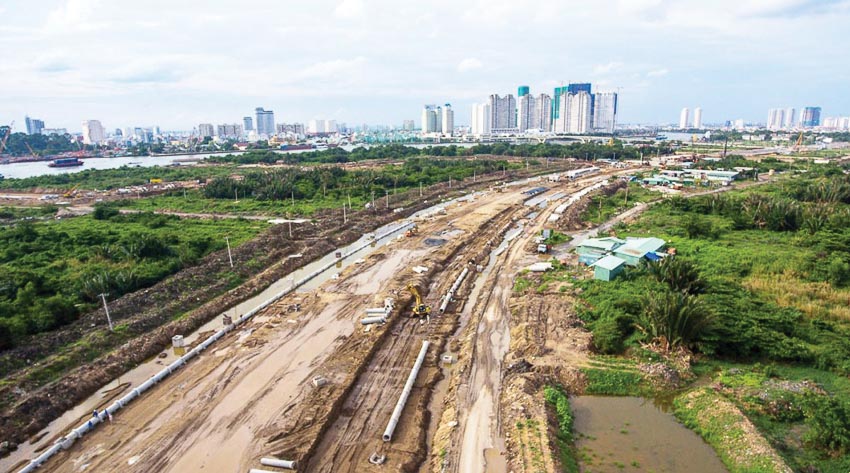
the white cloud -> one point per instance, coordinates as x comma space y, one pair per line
600, 69
658, 73
469, 64
349, 9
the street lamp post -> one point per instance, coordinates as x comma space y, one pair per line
229, 254
106, 309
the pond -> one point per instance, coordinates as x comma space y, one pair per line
632, 434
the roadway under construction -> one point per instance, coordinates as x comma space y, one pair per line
308, 380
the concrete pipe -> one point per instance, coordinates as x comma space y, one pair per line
285, 464
257, 470
377, 310
408, 386
373, 320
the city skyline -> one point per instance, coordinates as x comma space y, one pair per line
131, 64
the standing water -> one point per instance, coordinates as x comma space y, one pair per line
623, 434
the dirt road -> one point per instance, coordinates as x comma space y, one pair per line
220, 413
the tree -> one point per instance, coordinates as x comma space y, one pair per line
674, 319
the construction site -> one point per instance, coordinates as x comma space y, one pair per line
400, 352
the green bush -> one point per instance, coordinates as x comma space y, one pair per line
828, 419
559, 400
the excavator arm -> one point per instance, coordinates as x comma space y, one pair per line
420, 309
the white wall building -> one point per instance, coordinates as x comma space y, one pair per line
206, 130
431, 120
527, 113
790, 115
604, 111
543, 113
503, 112
265, 121
481, 116
448, 120
684, 117
775, 118
229, 131
698, 117
93, 132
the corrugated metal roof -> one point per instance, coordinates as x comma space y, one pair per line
609, 262
607, 243
640, 246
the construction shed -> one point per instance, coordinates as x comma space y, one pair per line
635, 249
592, 249
608, 268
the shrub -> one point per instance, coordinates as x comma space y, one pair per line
828, 419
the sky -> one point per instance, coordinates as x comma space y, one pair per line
179, 63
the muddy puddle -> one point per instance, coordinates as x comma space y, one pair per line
622, 434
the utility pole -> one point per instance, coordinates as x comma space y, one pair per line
229, 254
290, 228
388, 198
349, 201
420, 188
236, 194
106, 309
344, 216
293, 198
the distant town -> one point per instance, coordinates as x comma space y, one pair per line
573, 111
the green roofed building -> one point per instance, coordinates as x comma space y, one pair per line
635, 249
608, 268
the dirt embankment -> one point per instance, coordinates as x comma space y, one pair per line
150, 314
571, 219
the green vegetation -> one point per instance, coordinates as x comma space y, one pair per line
603, 207
761, 276
590, 151
614, 381
53, 271
125, 176
558, 399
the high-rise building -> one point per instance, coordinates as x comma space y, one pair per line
575, 113
248, 124
790, 115
431, 120
322, 127
604, 111
448, 120
481, 116
522, 90
543, 113
698, 118
581, 112
776, 119
810, 117
206, 130
408, 125
93, 132
684, 117
502, 114
265, 121
229, 131
576, 88
527, 111
34, 126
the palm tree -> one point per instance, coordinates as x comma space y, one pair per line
674, 319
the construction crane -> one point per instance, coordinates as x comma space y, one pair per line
32, 153
420, 309
72, 192
8, 133
799, 143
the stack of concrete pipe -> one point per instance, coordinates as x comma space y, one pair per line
68, 440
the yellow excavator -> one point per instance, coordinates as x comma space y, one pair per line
420, 309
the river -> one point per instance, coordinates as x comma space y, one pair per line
41, 168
